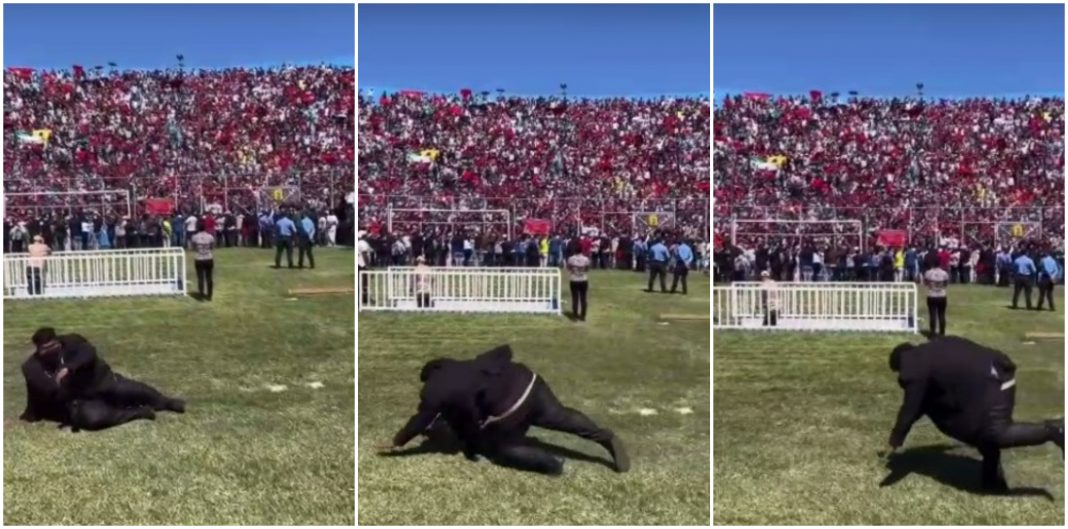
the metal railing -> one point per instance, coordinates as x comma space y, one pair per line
487, 290
879, 307
104, 273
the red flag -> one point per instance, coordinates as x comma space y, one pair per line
466, 94
159, 206
79, 72
537, 227
22, 73
816, 96
892, 238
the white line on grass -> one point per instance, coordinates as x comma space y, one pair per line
276, 388
315, 385
645, 412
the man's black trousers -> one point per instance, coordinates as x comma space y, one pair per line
1045, 292
1022, 284
205, 277
122, 401
506, 444
579, 289
680, 272
1001, 432
283, 244
656, 269
305, 249
936, 315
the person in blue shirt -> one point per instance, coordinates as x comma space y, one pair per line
912, 265
1048, 273
306, 233
683, 261
658, 259
639, 254
1025, 271
284, 230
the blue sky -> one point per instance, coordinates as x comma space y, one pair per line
884, 50
598, 50
149, 36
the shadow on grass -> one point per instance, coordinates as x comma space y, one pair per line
442, 441
957, 471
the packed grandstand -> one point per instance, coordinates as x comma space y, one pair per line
858, 172
113, 143
472, 161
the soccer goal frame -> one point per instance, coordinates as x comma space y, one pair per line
122, 201
470, 217
738, 230
1005, 231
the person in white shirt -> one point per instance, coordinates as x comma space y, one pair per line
363, 257
190, 229
331, 230
578, 265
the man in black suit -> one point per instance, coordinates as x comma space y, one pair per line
969, 392
490, 403
68, 383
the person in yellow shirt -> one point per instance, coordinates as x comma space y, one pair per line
899, 264
543, 250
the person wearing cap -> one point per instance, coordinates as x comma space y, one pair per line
35, 265
489, 403
969, 392
67, 382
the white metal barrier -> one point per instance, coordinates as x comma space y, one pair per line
102, 273
885, 307
490, 290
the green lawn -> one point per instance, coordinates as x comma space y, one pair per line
800, 419
242, 454
647, 382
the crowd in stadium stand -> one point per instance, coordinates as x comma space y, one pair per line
565, 161
193, 138
948, 173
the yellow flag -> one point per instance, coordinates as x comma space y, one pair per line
45, 135
778, 160
430, 153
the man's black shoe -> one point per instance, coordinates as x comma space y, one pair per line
1056, 428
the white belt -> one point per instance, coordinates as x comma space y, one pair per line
492, 419
1008, 384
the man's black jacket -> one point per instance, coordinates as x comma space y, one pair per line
465, 393
87, 374
953, 381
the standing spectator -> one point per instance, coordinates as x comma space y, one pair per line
284, 231
1047, 277
658, 258
936, 279
307, 241
1024, 278
204, 260
683, 262
578, 266
35, 270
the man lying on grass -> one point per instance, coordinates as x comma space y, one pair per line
969, 392
68, 383
490, 403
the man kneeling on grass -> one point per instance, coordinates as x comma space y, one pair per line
969, 392
68, 383
490, 403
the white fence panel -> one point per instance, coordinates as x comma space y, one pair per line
881, 307
489, 290
103, 273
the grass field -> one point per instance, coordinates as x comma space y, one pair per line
647, 382
246, 452
800, 418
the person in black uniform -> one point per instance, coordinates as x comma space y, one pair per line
68, 383
969, 392
490, 402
